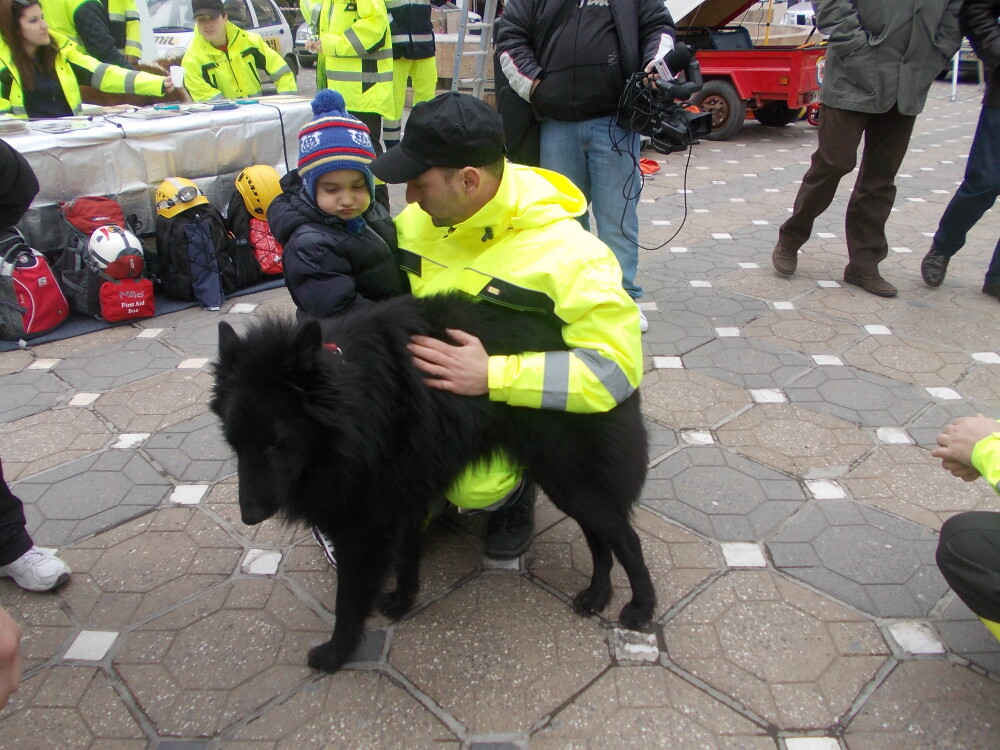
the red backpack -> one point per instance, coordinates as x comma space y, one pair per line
31, 302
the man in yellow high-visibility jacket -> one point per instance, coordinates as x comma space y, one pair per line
507, 234
223, 60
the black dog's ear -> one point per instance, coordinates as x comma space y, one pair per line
309, 336
230, 343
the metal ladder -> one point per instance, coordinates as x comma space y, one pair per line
482, 54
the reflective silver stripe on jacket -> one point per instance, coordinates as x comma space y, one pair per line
555, 388
415, 38
283, 70
390, 4
376, 53
356, 77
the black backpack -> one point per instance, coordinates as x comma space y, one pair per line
247, 233
193, 261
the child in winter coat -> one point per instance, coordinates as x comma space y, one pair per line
340, 245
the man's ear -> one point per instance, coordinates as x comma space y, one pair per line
472, 180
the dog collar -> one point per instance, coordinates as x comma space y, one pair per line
333, 348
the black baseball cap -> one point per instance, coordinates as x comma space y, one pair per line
211, 8
451, 130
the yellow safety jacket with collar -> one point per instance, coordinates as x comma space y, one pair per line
525, 249
357, 53
73, 67
211, 73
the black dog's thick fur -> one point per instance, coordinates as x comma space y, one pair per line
354, 442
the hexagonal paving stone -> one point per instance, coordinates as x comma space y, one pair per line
48, 439
748, 363
149, 564
223, 501
109, 368
803, 331
910, 360
157, 402
105, 337
46, 627
928, 704
89, 495
648, 708
678, 561
682, 398
908, 482
70, 707
675, 332
14, 360
950, 327
720, 494
218, 657
28, 392
869, 559
792, 657
711, 307
492, 678
857, 396
200, 337
764, 283
796, 440
193, 451
965, 635
982, 384
863, 309
661, 439
348, 709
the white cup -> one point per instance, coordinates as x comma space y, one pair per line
177, 76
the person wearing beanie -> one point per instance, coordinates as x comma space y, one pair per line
223, 60
339, 244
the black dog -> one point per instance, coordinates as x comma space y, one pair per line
345, 435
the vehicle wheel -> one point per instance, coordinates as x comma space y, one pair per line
728, 110
293, 63
307, 62
775, 114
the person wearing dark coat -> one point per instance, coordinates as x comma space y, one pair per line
339, 244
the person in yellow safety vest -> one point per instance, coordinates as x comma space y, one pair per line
413, 53
968, 553
310, 14
125, 29
355, 51
223, 59
507, 234
41, 70
89, 24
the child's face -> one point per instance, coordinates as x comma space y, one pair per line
343, 193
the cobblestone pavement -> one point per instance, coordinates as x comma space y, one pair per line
790, 518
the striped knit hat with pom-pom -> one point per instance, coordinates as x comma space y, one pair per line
333, 140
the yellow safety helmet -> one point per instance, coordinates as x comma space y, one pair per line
176, 194
259, 186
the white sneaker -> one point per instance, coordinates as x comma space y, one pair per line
643, 323
37, 570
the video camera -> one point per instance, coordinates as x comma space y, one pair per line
653, 112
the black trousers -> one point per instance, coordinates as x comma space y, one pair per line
968, 556
14, 537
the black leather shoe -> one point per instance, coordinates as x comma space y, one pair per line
509, 530
933, 267
784, 262
872, 284
992, 289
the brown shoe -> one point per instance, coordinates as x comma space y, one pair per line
784, 261
872, 284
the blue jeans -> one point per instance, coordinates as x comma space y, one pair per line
608, 175
977, 193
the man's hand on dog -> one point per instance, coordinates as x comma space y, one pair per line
460, 369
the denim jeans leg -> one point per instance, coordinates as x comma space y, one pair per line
615, 181
978, 191
561, 150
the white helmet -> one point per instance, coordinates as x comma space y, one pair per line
116, 252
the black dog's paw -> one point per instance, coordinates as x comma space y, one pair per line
590, 601
327, 657
636, 614
395, 604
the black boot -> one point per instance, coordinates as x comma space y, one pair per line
934, 266
509, 529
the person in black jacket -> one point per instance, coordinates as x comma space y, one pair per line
339, 245
572, 64
981, 185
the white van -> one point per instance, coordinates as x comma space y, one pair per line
173, 26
